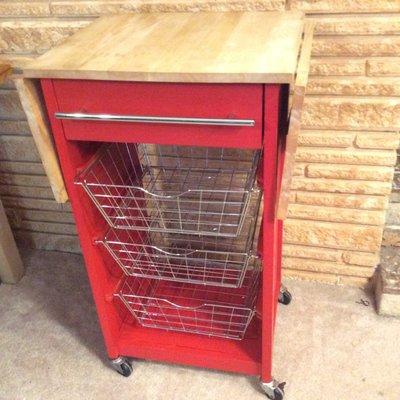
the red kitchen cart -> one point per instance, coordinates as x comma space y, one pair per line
171, 132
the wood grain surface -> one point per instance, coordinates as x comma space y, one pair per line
11, 267
37, 120
246, 47
299, 92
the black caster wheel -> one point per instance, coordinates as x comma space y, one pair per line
273, 390
126, 369
285, 297
277, 395
122, 366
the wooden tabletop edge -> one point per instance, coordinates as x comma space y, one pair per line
299, 90
303, 65
142, 76
5, 70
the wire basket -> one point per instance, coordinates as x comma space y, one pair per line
184, 258
172, 189
204, 310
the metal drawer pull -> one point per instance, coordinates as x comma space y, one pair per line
156, 120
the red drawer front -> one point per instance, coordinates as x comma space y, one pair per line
199, 101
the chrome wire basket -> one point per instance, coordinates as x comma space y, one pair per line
204, 310
205, 191
194, 259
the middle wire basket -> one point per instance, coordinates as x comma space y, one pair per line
195, 259
202, 191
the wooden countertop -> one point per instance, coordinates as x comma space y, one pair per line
253, 47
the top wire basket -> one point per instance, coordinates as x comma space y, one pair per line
192, 190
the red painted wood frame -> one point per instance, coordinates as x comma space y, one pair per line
122, 335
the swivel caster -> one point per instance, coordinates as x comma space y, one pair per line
273, 390
284, 296
122, 366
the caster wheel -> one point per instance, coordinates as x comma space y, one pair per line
273, 390
285, 297
126, 369
122, 366
277, 394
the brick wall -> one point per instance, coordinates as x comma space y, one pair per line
347, 148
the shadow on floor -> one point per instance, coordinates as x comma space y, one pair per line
64, 294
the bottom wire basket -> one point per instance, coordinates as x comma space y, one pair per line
185, 307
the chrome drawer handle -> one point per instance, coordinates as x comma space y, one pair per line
156, 120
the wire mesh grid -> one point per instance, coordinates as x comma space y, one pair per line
172, 188
184, 258
185, 307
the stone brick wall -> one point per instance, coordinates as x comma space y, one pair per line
347, 148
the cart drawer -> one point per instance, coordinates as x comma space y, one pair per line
219, 115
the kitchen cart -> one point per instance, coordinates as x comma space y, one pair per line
172, 135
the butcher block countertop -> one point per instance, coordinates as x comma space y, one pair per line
246, 47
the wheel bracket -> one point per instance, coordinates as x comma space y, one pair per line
273, 389
122, 365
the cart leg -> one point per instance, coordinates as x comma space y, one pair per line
272, 229
122, 365
284, 296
